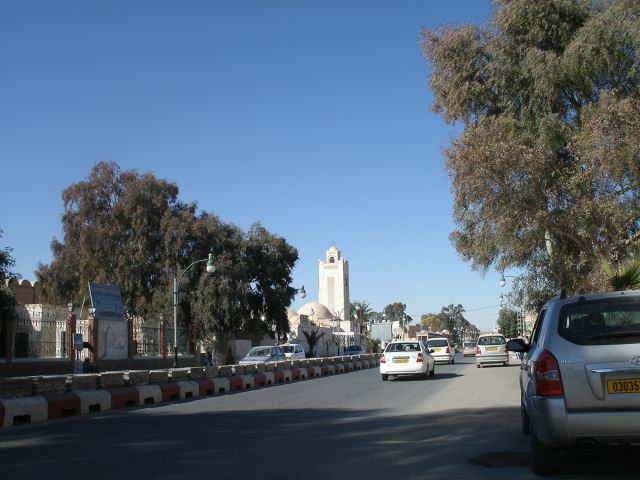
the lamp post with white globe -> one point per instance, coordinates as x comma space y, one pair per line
176, 280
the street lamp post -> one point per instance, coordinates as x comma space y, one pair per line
176, 280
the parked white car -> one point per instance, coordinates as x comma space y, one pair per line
263, 354
293, 351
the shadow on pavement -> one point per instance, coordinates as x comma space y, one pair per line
164, 443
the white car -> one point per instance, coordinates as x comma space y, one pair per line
293, 351
266, 353
406, 357
441, 349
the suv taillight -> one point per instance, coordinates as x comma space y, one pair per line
420, 358
446, 350
478, 351
506, 349
382, 359
547, 375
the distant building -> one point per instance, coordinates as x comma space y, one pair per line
333, 281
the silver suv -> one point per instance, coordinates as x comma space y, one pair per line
580, 375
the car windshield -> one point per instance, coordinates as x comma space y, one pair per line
492, 340
354, 348
403, 347
606, 322
438, 342
287, 348
259, 352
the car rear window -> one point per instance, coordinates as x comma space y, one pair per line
492, 340
438, 342
613, 321
469, 345
403, 347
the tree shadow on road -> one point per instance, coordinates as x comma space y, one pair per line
171, 443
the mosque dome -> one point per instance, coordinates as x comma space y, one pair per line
315, 311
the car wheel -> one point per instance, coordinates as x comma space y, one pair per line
478, 365
385, 377
453, 360
433, 371
524, 418
542, 458
424, 376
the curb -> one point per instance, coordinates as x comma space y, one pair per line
116, 390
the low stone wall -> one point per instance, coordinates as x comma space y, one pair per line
31, 399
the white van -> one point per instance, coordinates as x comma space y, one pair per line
293, 351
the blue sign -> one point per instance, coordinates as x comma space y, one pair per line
107, 301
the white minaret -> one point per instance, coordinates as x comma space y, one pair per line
333, 276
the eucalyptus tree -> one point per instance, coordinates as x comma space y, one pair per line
131, 230
545, 170
7, 301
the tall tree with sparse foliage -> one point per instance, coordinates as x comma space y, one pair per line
546, 171
131, 230
7, 301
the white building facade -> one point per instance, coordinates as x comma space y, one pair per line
333, 282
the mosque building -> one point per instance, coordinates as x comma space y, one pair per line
331, 314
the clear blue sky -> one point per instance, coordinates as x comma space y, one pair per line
311, 117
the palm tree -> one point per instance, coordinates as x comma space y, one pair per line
627, 277
361, 310
313, 338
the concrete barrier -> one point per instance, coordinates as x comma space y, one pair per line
248, 382
124, 397
62, 404
221, 385
149, 394
22, 410
40, 398
279, 377
236, 383
206, 386
94, 401
189, 389
259, 380
170, 391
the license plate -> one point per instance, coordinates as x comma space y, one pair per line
400, 360
437, 349
492, 349
631, 385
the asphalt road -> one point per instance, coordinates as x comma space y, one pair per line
463, 423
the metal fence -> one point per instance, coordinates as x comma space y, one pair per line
183, 339
40, 333
146, 337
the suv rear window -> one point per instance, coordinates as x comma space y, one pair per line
438, 342
492, 340
605, 322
